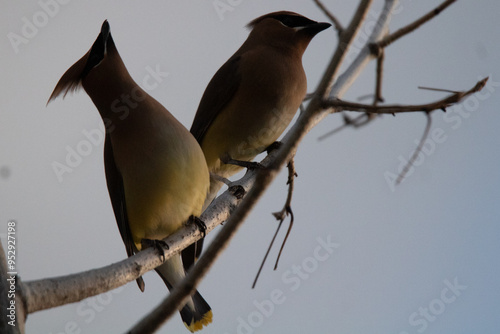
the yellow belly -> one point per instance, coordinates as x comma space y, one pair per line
165, 182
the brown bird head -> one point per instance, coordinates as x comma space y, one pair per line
101, 63
285, 29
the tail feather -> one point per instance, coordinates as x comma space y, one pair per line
196, 313
201, 315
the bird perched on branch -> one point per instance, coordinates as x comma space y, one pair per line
252, 98
156, 172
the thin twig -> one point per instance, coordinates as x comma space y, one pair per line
333, 19
407, 167
334, 131
437, 89
377, 98
414, 25
378, 84
281, 215
356, 122
292, 174
288, 211
292, 218
265, 256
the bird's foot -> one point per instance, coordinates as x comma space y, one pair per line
251, 165
200, 224
274, 146
237, 191
219, 179
159, 245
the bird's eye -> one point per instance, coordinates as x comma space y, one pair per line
293, 21
287, 21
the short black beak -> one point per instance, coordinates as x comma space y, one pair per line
315, 28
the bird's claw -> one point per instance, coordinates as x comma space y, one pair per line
159, 245
274, 146
200, 224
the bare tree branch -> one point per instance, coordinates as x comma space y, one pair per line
47, 293
333, 19
442, 104
51, 292
414, 25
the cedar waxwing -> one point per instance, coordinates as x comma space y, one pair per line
253, 97
156, 172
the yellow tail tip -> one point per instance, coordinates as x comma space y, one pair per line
198, 325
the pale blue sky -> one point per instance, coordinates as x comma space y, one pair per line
420, 258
